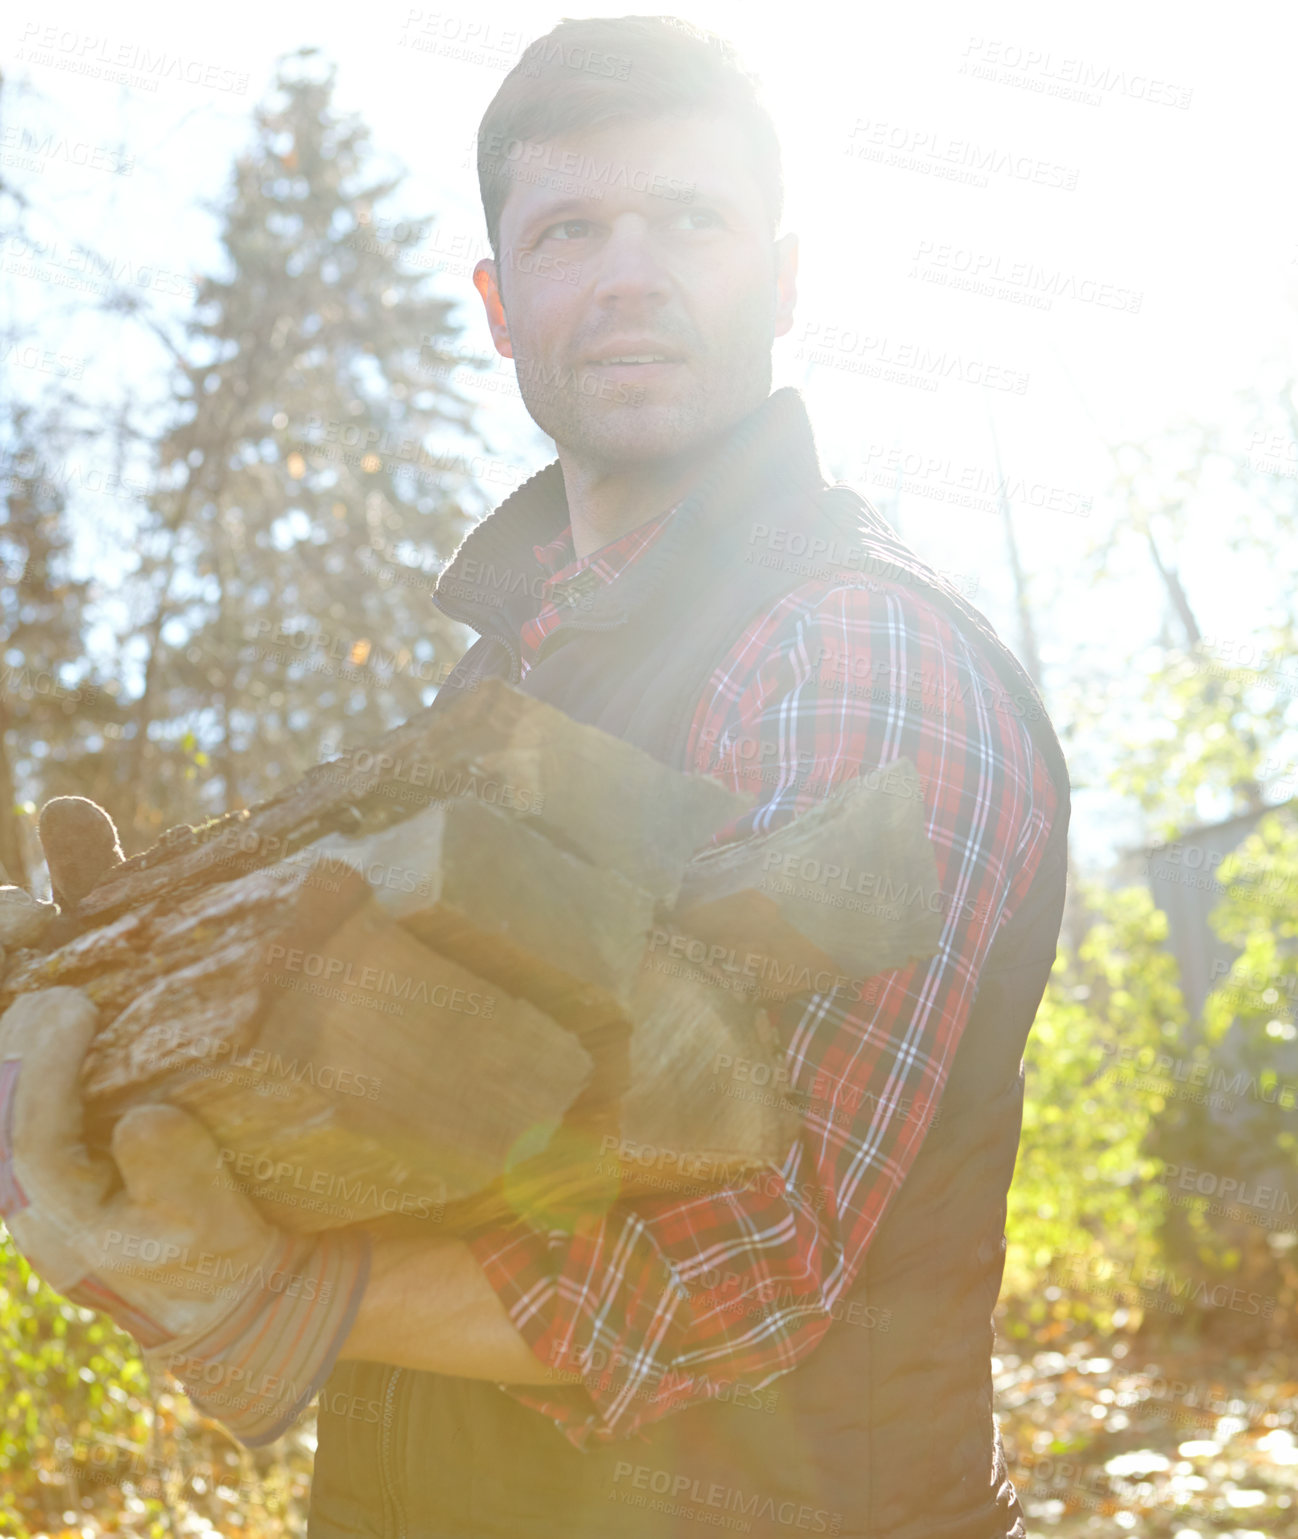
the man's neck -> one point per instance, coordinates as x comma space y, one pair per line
606, 502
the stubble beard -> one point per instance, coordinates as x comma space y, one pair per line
608, 426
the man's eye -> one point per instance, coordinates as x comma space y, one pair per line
697, 219
568, 229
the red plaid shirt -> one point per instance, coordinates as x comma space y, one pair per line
670, 1301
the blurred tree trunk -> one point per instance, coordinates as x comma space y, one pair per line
11, 853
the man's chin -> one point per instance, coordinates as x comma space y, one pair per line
643, 432
637, 435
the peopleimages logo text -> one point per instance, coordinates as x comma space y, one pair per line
687, 1495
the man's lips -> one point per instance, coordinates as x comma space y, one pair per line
637, 370
644, 355
642, 365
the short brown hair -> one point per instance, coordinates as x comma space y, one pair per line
595, 71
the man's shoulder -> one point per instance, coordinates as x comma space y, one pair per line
882, 606
897, 639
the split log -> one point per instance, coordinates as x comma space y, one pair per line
495, 894
349, 1073
845, 890
345, 1069
469, 921
606, 800
456, 1077
697, 1113
609, 802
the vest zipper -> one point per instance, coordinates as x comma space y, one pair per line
386, 1471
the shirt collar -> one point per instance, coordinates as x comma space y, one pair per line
496, 582
562, 567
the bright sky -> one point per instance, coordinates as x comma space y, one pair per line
1116, 182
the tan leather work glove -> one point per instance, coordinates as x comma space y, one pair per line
248, 1318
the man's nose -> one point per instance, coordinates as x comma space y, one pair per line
631, 265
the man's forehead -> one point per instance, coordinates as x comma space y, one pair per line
683, 160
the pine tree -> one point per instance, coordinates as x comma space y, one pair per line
50, 700
292, 550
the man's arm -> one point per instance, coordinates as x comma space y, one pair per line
654, 1306
429, 1306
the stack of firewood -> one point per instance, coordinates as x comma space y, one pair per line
493, 965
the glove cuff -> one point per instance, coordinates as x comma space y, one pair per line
262, 1364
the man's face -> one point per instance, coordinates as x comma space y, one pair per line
615, 273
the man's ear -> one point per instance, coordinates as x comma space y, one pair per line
786, 282
487, 282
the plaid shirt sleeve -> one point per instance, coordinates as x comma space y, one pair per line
666, 1302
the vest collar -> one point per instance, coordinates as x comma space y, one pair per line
494, 581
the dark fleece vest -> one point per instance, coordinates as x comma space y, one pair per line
885, 1430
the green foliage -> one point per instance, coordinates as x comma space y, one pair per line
1259, 915
1081, 1205
1249, 1023
85, 1430
64, 1371
1205, 719
1122, 1089
1255, 1005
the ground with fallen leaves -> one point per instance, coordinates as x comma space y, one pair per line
1117, 1438
1102, 1439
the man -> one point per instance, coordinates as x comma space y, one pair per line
808, 1352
